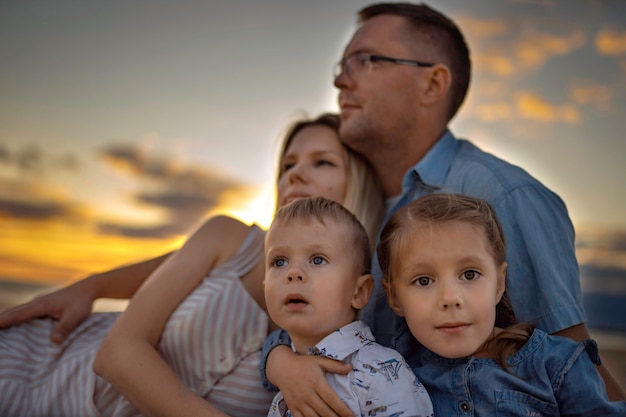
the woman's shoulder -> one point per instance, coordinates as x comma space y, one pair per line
221, 235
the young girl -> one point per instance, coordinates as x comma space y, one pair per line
442, 259
188, 343
317, 278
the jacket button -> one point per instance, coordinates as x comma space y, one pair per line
465, 407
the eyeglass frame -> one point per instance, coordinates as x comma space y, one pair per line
341, 67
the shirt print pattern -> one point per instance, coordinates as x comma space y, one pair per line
381, 384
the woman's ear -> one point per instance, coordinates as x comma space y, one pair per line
501, 281
362, 291
393, 303
438, 81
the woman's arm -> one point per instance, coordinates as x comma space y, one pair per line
128, 358
72, 304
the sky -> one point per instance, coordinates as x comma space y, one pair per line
124, 124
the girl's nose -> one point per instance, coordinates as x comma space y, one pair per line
450, 296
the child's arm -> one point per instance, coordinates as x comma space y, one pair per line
72, 304
580, 390
128, 358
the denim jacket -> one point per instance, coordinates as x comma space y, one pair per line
549, 376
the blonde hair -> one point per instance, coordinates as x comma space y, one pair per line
364, 196
441, 208
322, 209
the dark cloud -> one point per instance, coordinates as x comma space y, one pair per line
139, 232
132, 159
185, 192
31, 159
43, 210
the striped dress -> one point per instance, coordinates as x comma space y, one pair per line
212, 342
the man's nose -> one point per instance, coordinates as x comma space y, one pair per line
344, 80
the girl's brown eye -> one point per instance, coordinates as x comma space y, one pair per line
470, 275
423, 281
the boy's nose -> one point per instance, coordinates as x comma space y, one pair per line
294, 277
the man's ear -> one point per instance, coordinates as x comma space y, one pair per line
362, 291
438, 82
393, 303
501, 281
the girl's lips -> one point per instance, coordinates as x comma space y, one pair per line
453, 328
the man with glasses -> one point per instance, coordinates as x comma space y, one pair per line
403, 76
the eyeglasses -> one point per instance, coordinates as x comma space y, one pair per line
363, 62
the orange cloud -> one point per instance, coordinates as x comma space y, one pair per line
531, 106
483, 28
495, 63
539, 47
494, 112
597, 95
611, 42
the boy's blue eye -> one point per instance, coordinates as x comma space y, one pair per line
318, 260
279, 262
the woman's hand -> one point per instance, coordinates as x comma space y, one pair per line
303, 384
73, 304
69, 306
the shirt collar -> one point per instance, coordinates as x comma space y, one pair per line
433, 168
343, 342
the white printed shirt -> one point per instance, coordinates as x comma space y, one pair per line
380, 384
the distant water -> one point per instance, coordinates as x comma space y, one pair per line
605, 311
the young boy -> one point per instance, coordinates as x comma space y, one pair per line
316, 280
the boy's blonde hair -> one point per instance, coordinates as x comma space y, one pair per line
322, 210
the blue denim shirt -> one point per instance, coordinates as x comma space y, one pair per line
542, 275
550, 376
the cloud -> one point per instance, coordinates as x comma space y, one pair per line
531, 106
611, 42
599, 96
140, 232
185, 193
26, 200
131, 159
533, 51
483, 28
494, 112
506, 47
32, 210
31, 159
